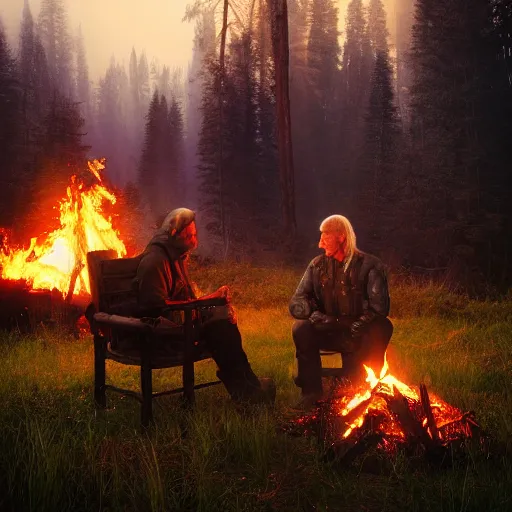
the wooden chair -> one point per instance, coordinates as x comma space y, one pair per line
111, 287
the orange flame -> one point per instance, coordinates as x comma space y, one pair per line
387, 383
51, 263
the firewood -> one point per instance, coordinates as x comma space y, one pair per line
412, 428
427, 410
72, 282
368, 436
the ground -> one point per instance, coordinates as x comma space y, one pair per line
57, 454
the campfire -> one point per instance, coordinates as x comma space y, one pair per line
388, 415
54, 264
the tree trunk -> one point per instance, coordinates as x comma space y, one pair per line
279, 24
221, 82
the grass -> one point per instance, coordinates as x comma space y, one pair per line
57, 454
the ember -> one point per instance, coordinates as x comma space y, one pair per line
58, 261
391, 415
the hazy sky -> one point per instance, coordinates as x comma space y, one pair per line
114, 26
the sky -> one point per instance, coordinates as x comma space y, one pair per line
112, 27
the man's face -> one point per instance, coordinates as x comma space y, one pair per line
331, 242
189, 237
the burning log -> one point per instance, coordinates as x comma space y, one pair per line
389, 416
346, 451
429, 415
48, 281
412, 428
24, 309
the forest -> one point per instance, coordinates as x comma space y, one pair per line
410, 140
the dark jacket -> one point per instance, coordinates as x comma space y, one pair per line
162, 274
360, 291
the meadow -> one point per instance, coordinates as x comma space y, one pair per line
58, 454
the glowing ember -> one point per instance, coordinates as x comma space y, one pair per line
375, 400
59, 261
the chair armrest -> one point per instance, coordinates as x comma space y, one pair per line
124, 322
158, 326
194, 304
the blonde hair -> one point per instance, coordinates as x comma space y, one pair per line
340, 224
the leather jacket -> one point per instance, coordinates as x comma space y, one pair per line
359, 292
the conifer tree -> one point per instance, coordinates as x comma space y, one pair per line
54, 34
377, 29
36, 91
323, 53
154, 177
82, 86
203, 49
379, 182
10, 125
455, 89
356, 71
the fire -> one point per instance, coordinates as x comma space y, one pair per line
374, 400
59, 261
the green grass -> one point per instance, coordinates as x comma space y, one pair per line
57, 454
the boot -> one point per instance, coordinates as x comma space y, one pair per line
266, 394
248, 388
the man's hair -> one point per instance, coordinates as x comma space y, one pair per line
177, 220
340, 224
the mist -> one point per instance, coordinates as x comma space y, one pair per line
382, 130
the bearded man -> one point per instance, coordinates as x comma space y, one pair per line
341, 304
163, 279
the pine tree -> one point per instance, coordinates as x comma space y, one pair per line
377, 29
323, 53
62, 154
53, 31
112, 140
460, 214
10, 127
356, 71
301, 84
143, 82
36, 91
379, 187
204, 47
154, 178
176, 149
135, 88
82, 86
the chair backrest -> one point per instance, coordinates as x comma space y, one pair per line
111, 281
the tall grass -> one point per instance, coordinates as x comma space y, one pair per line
56, 453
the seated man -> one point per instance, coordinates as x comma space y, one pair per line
162, 278
342, 304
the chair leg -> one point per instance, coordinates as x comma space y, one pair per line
146, 383
188, 383
188, 361
100, 397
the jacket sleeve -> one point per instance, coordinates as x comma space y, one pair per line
152, 284
377, 303
303, 302
378, 294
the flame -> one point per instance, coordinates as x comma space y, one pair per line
374, 395
59, 261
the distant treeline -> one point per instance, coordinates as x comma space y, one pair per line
410, 141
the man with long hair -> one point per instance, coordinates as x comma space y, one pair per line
342, 304
162, 278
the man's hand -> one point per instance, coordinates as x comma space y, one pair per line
356, 329
222, 293
318, 317
232, 314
